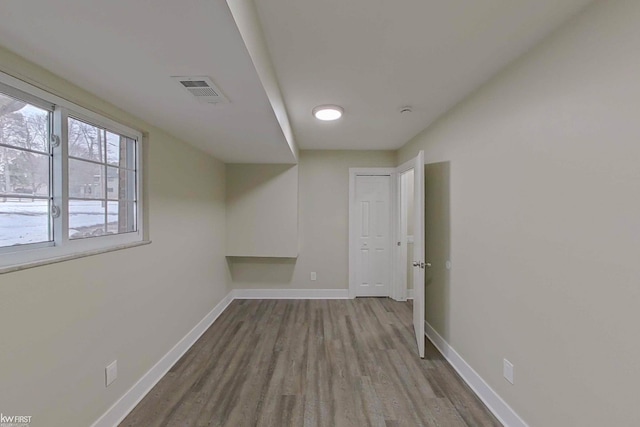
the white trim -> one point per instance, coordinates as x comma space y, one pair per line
47, 261
290, 294
409, 293
502, 411
400, 273
353, 172
28, 256
119, 410
408, 165
25, 96
418, 252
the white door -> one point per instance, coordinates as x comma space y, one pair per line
418, 252
372, 203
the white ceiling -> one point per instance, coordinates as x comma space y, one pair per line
374, 56
125, 52
369, 56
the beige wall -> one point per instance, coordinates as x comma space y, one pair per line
262, 210
61, 324
437, 248
323, 222
545, 207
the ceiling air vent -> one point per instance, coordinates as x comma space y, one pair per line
202, 88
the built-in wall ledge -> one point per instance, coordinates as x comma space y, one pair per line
262, 257
40, 263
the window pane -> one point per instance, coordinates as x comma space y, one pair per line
86, 218
113, 183
113, 148
86, 141
24, 172
121, 217
23, 221
128, 186
86, 180
130, 162
121, 184
23, 125
121, 151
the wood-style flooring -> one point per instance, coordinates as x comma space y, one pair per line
307, 363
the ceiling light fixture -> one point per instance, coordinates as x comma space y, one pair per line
327, 112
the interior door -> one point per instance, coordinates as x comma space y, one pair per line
373, 216
418, 253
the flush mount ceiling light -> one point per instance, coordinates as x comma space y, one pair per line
327, 112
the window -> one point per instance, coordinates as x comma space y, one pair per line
102, 178
69, 178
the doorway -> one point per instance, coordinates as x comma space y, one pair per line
410, 264
373, 233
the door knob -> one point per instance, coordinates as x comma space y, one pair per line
416, 264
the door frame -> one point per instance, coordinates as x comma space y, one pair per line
418, 255
353, 173
400, 259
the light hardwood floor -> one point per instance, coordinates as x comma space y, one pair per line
314, 363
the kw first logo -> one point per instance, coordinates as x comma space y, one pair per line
14, 420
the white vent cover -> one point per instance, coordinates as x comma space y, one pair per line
202, 88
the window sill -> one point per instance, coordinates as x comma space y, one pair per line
40, 263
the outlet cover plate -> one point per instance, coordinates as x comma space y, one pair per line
507, 371
111, 373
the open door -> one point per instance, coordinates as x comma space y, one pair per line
418, 253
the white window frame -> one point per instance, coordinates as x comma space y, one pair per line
62, 247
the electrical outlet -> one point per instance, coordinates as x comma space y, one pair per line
111, 373
314, 276
507, 370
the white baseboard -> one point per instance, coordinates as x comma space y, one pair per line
134, 395
291, 294
503, 412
